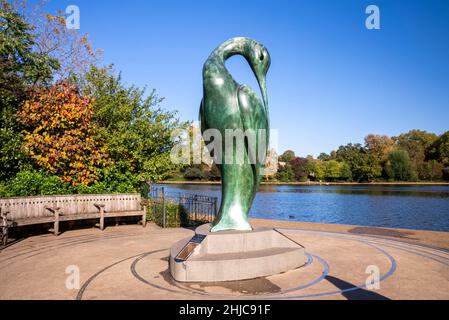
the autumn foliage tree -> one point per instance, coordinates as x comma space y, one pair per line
60, 135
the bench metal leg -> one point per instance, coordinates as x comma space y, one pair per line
4, 224
4, 235
56, 224
144, 216
101, 218
56, 211
100, 207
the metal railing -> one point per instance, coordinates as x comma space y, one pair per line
175, 209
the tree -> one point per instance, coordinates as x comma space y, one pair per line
399, 166
368, 169
379, 146
316, 169
136, 129
438, 153
350, 153
64, 132
287, 156
332, 170
324, 157
299, 167
439, 150
364, 166
20, 68
416, 142
433, 170
60, 135
285, 173
73, 51
18, 60
345, 172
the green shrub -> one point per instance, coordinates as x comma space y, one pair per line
175, 214
112, 181
33, 183
194, 173
118, 181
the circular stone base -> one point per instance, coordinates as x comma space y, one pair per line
233, 255
130, 262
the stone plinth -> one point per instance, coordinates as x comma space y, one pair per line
233, 255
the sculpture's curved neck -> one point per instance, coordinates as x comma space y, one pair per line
231, 48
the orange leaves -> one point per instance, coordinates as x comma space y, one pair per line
57, 107
59, 134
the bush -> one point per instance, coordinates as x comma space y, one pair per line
60, 135
194, 173
33, 183
112, 181
118, 181
175, 214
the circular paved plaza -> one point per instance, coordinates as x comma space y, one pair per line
130, 262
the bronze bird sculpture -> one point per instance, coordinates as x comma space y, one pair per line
227, 105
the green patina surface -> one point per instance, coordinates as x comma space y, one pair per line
228, 105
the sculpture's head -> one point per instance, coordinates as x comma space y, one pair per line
259, 60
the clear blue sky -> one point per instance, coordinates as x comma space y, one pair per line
331, 80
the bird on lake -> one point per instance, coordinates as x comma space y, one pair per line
229, 105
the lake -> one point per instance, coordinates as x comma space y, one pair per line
393, 206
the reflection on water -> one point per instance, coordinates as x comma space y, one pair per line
394, 206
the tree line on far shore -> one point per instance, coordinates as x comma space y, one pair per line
413, 156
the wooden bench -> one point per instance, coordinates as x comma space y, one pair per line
21, 211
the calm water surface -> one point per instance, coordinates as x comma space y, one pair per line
411, 207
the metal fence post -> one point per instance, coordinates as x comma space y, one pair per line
179, 216
195, 206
